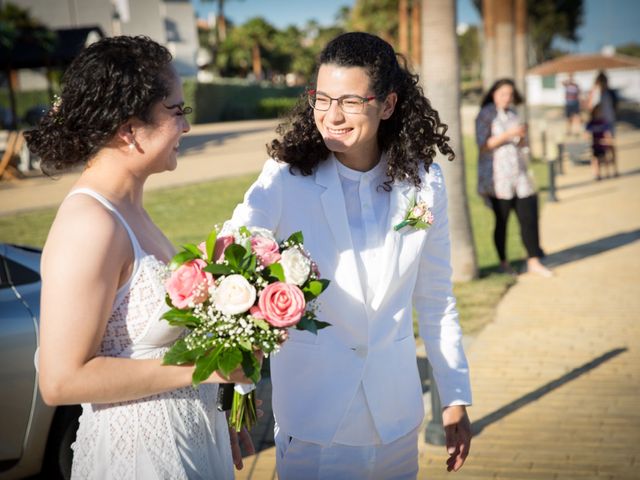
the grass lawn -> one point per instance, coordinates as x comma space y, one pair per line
187, 214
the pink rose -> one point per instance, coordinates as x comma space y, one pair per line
282, 304
189, 284
418, 211
256, 312
218, 251
265, 249
221, 245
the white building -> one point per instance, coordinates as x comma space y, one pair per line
169, 22
544, 82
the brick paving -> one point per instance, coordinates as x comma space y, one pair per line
556, 376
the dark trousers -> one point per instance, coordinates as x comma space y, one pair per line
527, 212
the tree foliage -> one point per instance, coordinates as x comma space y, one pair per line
379, 17
549, 20
632, 49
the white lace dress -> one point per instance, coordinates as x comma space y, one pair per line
174, 435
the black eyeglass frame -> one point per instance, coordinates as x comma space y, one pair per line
312, 94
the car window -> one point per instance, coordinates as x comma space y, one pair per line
16, 274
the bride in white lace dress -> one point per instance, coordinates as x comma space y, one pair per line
101, 337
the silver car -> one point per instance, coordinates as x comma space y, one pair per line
34, 438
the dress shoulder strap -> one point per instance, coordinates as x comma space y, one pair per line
137, 249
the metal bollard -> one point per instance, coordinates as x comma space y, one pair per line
560, 166
552, 176
434, 433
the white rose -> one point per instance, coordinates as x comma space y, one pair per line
234, 295
262, 232
296, 266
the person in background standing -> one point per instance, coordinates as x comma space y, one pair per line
504, 179
601, 95
572, 105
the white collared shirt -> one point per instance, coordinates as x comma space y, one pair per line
367, 205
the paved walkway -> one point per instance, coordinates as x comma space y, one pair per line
556, 377
207, 152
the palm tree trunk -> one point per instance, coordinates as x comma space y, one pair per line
504, 46
521, 62
256, 61
488, 44
403, 27
416, 55
441, 79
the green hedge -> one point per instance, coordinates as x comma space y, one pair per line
25, 100
211, 102
216, 102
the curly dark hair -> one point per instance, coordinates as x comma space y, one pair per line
488, 98
108, 83
409, 137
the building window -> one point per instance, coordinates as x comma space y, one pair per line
549, 82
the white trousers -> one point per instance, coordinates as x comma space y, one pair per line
300, 460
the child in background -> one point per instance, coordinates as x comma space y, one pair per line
602, 141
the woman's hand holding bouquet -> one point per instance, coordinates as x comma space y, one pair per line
237, 295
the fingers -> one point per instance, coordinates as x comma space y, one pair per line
457, 430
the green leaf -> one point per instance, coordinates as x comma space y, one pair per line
276, 271
211, 244
181, 258
181, 318
247, 261
244, 231
245, 344
315, 288
296, 238
179, 354
309, 323
229, 360
260, 323
190, 247
234, 255
205, 366
218, 269
251, 366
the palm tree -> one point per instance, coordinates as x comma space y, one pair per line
441, 79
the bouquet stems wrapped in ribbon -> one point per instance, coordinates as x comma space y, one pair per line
237, 294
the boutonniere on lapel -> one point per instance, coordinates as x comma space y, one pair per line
418, 216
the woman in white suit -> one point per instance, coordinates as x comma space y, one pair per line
354, 159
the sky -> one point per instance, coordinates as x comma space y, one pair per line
606, 22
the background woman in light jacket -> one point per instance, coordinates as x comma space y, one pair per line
504, 178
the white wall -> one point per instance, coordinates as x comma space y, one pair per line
625, 80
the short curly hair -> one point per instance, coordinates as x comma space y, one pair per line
108, 83
409, 137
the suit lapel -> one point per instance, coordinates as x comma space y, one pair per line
332, 199
402, 194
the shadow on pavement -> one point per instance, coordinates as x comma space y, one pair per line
584, 250
517, 404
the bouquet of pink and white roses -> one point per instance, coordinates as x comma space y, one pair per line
236, 294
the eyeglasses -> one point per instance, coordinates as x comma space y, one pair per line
347, 103
182, 110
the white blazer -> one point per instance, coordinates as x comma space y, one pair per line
315, 377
